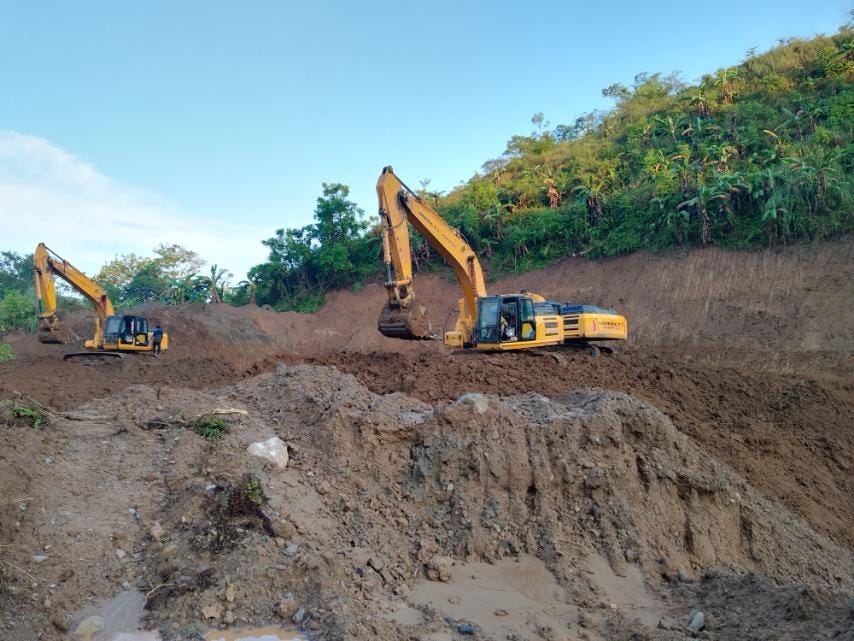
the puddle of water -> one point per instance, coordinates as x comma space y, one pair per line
512, 594
270, 633
119, 617
519, 594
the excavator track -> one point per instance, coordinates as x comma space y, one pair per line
408, 323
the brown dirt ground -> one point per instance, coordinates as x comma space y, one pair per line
749, 356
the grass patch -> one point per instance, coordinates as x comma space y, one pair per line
209, 426
6, 353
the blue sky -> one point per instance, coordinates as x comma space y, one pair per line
211, 124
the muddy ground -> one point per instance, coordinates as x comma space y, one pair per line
706, 466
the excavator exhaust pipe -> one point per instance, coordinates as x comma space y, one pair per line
408, 323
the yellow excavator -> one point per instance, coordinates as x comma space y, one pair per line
488, 323
114, 333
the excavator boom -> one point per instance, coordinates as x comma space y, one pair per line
402, 316
47, 264
490, 323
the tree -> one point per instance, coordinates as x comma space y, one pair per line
149, 284
168, 276
245, 292
120, 271
214, 284
17, 311
16, 272
335, 251
177, 262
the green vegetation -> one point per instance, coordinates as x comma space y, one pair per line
333, 252
18, 308
252, 489
31, 414
17, 298
18, 311
209, 426
170, 276
754, 155
6, 352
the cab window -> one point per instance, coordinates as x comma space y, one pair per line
141, 331
487, 320
113, 327
510, 320
527, 324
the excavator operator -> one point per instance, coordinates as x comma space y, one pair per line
508, 322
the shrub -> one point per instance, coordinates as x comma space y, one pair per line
31, 414
209, 426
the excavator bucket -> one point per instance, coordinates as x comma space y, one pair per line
53, 332
408, 323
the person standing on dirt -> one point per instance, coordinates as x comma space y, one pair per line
156, 338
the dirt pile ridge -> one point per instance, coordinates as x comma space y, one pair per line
599, 486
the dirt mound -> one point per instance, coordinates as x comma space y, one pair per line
600, 487
774, 311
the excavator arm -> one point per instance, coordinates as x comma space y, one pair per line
48, 264
402, 316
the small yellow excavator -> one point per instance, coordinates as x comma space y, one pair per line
488, 323
114, 333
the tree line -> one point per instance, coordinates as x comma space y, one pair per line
754, 155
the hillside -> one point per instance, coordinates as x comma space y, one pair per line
753, 155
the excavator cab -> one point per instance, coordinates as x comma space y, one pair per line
505, 319
126, 330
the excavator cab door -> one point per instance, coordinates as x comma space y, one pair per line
113, 329
517, 319
140, 328
527, 320
488, 328
505, 319
126, 330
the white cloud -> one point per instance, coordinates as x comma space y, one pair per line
49, 195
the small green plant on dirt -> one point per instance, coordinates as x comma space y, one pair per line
252, 488
232, 508
209, 426
32, 414
6, 353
